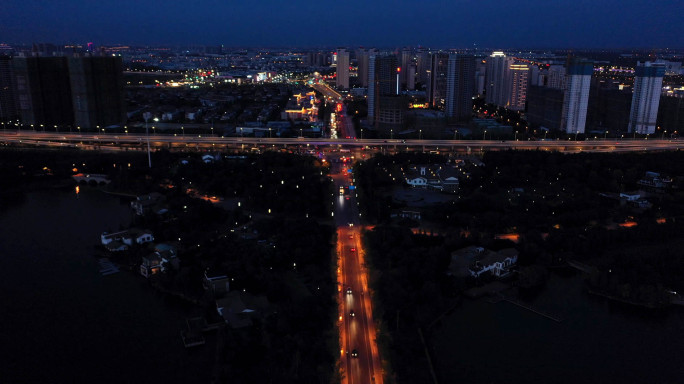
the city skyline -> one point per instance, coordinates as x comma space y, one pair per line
517, 23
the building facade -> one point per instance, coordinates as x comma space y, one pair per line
8, 109
43, 91
437, 80
648, 84
342, 80
497, 64
517, 79
459, 87
97, 91
576, 97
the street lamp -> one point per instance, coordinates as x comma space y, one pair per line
605, 135
147, 116
391, 133
484, 135
269, 133
420, 134
361, 133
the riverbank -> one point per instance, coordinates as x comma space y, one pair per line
519, 346
59, 309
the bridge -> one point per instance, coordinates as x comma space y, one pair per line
209, 142
91, 178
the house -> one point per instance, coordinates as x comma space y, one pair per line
448, 178
416, 181
427, 176
106, 238
474, 261
151, 265
498, 263
217, 282
152, 202
239, 309
138, 236
209, 158
655, 180
463, 259
116, 246
169, 256
630, 196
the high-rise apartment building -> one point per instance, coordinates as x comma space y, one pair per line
648, 84
43, 91
517, 79
411, 78
555, 77
576, 96
8, 109
362, 56
459, 87
382, 81
58, 91
497, 64
405, 63
423, 64
97, 91
437, 80
342, 80
480, 77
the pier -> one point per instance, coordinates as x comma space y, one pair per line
520, 304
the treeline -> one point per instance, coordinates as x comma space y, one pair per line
411, 291
283, 255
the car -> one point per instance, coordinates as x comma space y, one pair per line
349, 291
355, 353
352, 249
351, 236
351, 313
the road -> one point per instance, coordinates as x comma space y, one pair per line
360, 360
207, 142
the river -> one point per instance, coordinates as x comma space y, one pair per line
597, 341
62, 322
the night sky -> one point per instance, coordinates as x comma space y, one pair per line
389, 23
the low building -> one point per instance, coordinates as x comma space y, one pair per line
116, 246
137, 236
106, 238
151, 265
498, 263
239, 309
448, 177
152, 202
655, 180
217, 282
474, 261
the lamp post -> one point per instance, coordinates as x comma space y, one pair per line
484, 135
361, 133
605, 135
391, 133
147, 116
420, 134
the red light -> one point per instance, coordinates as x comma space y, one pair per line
398, 69
338, 108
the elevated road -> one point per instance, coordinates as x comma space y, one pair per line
209, 141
